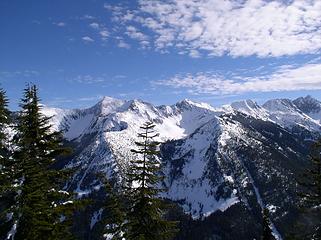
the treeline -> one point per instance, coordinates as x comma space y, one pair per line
35, 202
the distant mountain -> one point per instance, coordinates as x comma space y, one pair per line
309, 106
220, 163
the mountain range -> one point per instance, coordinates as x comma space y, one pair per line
221, 165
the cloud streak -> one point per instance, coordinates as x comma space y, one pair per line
87, 39
232, 27
286, 78
89, 79
60, 24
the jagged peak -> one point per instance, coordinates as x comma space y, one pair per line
280, 104
250, 108
137, 104
107, 105
188, 104
307, 100
248, 103
110, 100
308, 104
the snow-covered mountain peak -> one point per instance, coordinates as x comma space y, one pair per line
251, 108
308, 104
56, 114
108, 105
248, 103
280, 105
215, 159
188, 104
287, 114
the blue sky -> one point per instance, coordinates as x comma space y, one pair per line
77, 51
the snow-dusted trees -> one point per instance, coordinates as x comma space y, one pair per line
137, 213
41, 208
6, 177
115, 217
145, 218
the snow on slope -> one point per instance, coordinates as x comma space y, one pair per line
309, 106
197, 192
114, 125
57, 115
281, 111
285, 113
251, 108
172, 122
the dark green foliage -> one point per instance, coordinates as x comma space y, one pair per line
309, 221
311, 182
42, 210
114, 219
4, 142
6, 178
266, 232
145, 216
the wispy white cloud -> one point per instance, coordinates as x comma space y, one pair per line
89, 79
88, 17
94, 25
60, 24
89, 99
133, 33
100, 29
5, 75
57, 101
62, 101
104, 33
123, 44
87, 39
232, 27
194, 53
285, 78
101, 79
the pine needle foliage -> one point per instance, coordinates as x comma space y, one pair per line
145, 215
115, 212
43, 210
310, 194
266, 232
311, 180
5, 120
6, 176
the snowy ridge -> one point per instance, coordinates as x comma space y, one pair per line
251, 108
214, 158
197, 193
281, 111
287, 114
309, 106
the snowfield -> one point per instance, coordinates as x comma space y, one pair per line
204, 150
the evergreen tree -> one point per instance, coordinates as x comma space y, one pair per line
4, 140
311, 184
145, 215
310, 195
42, 210
266, 232
114, 219
6, 178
